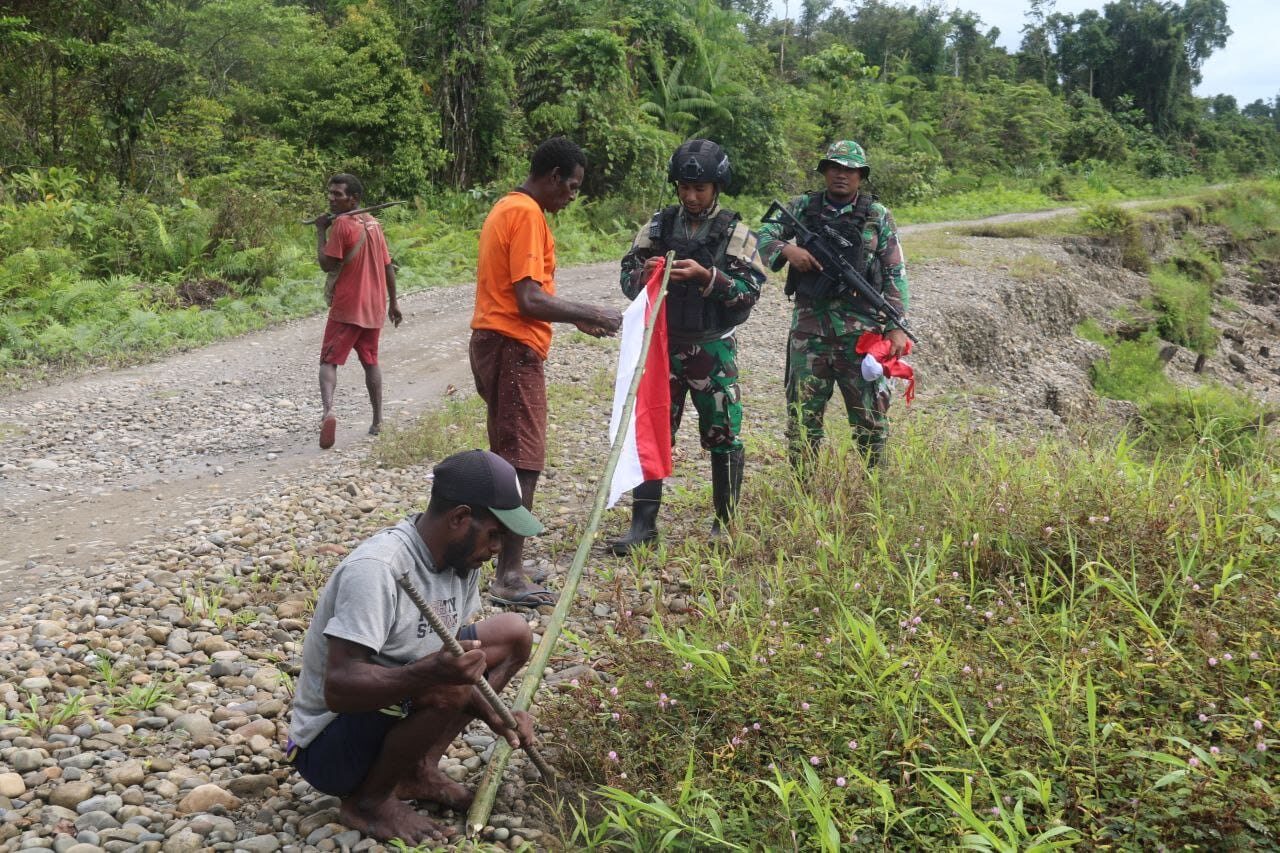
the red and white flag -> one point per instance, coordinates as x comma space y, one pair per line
646, 448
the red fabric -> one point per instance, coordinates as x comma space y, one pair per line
653, 397
878, 347
360, 294
341, 338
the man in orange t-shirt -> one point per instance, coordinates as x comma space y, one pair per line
363, 296
515, 307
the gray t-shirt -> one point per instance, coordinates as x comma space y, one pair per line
362, 603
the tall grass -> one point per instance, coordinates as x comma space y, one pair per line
990, 643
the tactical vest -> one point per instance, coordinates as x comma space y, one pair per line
688, 311
849, 225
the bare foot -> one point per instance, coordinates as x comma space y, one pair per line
391, 818
432, 785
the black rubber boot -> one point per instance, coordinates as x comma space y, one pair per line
726, 485
803, 456
646, 498
871, 446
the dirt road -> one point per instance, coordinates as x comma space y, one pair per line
92, 464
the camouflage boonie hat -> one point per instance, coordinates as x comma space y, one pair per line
846, 153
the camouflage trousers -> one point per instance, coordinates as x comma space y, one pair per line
708, 373
815, 364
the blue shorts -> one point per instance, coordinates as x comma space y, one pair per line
339, 758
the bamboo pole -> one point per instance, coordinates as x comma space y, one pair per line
486, 689
487, 791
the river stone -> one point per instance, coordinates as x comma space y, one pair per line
129, 773
26, 760
266, 678
200, 727
96, 820
11, 785
251, 786
206, 797
185, 841
271, 708
72, 794
312, 822
259, 844
265, 728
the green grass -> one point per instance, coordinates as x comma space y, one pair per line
84, 281
458, 424
993, 643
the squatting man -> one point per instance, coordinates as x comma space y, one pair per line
378, 700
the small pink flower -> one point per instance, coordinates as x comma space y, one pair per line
1253, 655
649, 684
857, 585
613, 756
573, 682
1257, 725
736, 740
995, 811
616, 716
840, 782
815, 760
1227, 657
755, 726
613, 691
1193, 762
853, 744
1213, 661
816, 611
804, 706
1262, 746
1213, 750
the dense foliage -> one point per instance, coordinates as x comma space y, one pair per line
420, 95
152, 152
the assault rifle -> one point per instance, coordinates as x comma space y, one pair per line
844, 277
370, 209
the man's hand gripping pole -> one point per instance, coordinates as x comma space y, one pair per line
486, 689
836, 267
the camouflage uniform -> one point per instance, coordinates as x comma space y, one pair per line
704, 366
824, 332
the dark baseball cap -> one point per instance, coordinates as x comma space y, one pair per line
481, 478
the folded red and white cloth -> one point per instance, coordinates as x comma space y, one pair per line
876, 362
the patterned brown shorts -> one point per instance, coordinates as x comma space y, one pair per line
509, 377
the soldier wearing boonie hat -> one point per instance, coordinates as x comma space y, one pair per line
825, 327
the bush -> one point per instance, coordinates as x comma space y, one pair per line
1183, 304
1123, 229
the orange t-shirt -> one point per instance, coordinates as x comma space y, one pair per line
515, 244
360, 294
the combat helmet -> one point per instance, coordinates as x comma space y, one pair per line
700, 160
849, 154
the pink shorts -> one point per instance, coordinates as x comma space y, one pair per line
341, 338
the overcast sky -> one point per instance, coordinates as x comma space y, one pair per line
1248, 67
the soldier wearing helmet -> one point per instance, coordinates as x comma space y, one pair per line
715, 281
825, 327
